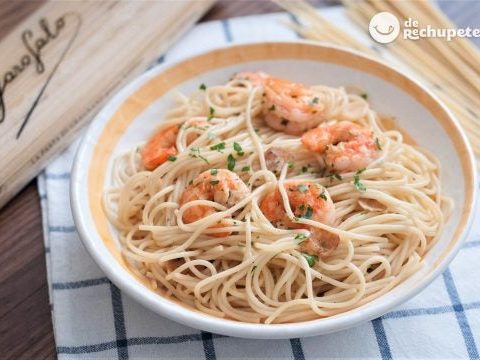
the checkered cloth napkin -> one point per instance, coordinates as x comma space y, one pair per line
92, 318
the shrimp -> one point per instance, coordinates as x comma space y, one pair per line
162, 145
256, 78
219, 185
344, 146
290, 107
308, 200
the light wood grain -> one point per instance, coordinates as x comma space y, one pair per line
64, 61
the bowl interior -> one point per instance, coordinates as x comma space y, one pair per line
133, 114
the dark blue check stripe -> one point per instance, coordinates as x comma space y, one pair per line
119, 323
85, 349
428, 311
382, 340
460, 315
208, 346
227, 32
297, 349
79, 284
61, 176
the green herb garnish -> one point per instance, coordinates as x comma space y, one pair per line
246, 168
202, 87
254, 268
364, 96
195, 153
311, 259
231, 162
272, 108
377, 143
323, 195
172, 158
214, 172
238, 148
212, 112
356, 181
315, 100
335, 176
304, 169
301, 237
308, 214
219, 147
291, 164
214, 182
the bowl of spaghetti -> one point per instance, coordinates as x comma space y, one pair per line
273, 190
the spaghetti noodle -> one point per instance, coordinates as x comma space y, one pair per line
202, 226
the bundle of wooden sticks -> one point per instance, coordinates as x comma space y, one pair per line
450, 69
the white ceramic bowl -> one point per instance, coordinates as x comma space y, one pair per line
133, 113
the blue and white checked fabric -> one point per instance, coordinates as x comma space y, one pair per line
92, 318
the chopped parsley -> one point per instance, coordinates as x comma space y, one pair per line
246, 168
301, 237
364, 96
291, 164
231, 162
214, 182
219, 147
308, 214
202, 87
190, 182
356, 181
304, 169
172, 158
284, 122
335, 176
254, 268
302, 188
315, 100
195, 153
257, 130
377, 143
323, 195
214, 172
272, 108
238, 148
212, 112
311, 259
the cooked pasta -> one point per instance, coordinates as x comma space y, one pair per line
268, 201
